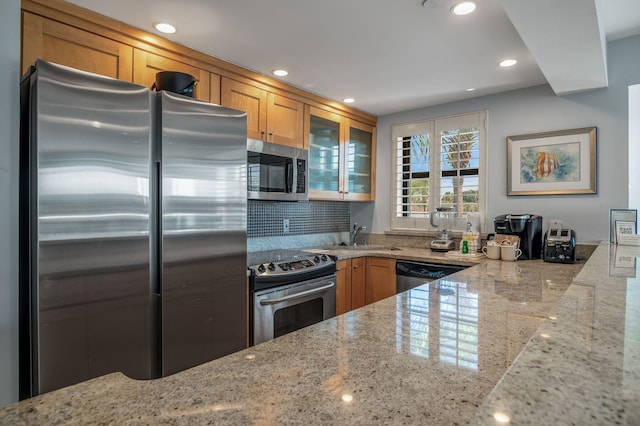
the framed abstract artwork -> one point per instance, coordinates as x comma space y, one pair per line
552, 163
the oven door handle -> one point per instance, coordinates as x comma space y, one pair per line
296, 295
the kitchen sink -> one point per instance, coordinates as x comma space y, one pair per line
365, 248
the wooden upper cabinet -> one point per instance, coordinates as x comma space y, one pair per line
360, 161
249, 99
66, 45
146, 65
284, 120
323, 139
341, 156
270, 117
214, 89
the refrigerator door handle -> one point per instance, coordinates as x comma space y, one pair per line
156, 224
273, 301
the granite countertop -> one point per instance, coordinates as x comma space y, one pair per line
448, 352
583, 364
399, 252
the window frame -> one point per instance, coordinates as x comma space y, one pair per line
434, 127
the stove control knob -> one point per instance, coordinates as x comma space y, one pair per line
272, 266
316, 258
261, 268
324, 257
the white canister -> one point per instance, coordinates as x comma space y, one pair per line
473, 222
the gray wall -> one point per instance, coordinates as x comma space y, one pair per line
9, 78
634, 147
537, 109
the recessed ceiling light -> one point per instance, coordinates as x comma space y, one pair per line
464, 8
470, 89
348, 100
165, 28
508, 63
281, 73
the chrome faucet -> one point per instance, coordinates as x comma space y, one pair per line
355, 232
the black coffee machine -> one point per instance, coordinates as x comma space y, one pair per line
526, 226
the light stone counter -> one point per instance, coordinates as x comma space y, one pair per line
582, 367
399, 252
428, 356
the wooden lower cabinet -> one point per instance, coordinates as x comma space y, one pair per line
363, 280
343, 286
381, 279
358, 282
350, 284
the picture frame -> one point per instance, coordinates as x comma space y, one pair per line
552, 163
621, 215
624, 228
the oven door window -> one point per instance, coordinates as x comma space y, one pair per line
269, 173
295, 317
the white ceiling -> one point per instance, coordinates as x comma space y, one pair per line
395, 55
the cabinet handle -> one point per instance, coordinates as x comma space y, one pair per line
263, 133
356, 267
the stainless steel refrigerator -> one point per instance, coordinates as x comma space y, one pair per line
132, 230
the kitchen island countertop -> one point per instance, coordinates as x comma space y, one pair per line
525, 341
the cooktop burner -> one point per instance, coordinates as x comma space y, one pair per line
284, 266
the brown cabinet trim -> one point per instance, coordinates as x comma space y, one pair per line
87, 20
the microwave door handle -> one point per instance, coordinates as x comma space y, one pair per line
296, 295
288, 176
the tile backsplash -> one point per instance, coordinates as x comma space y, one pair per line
266, 218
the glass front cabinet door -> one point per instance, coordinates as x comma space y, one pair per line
325, 168
341, 157
360, 157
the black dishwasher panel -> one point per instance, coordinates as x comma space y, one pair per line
413, 274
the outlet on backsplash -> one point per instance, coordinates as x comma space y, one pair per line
285, 226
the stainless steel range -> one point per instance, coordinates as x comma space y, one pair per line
290, 290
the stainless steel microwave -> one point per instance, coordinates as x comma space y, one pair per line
276, 172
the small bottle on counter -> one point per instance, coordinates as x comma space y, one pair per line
473, 241
465, 247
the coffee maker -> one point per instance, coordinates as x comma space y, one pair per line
526, 226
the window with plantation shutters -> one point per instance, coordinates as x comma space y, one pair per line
438, 163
